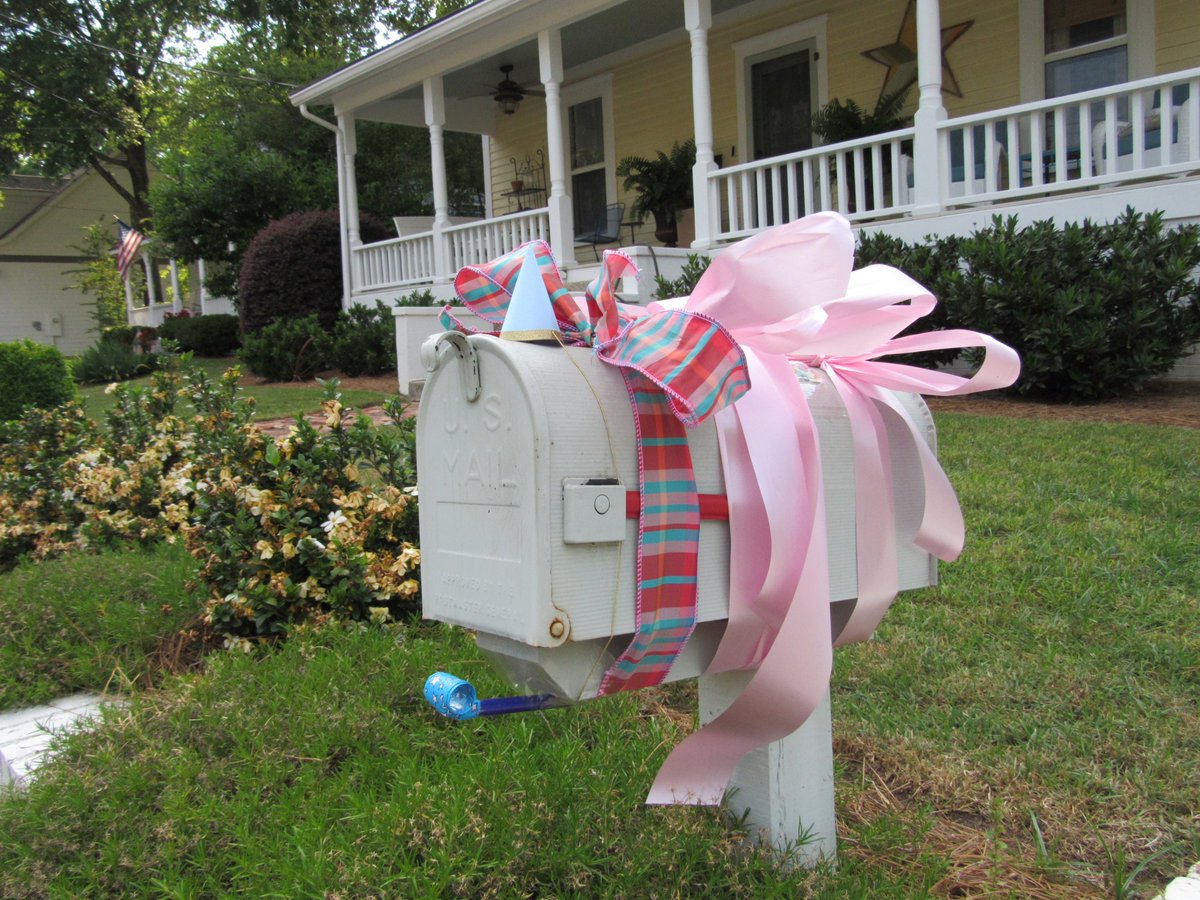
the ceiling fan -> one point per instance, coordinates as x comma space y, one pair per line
509, 93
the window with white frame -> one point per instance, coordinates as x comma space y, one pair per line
1086, 45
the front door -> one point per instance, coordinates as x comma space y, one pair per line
782, 101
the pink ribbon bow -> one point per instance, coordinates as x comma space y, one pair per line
788, 296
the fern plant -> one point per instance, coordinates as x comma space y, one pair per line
663, 186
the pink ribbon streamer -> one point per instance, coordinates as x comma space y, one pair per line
788, 294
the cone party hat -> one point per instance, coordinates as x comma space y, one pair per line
530, 315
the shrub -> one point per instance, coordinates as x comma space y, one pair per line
364, 341
141, 336
32, 375
288, 350
416, 298
293, 268
211, 335
1094, 310
686, 282
316, 526
111, 360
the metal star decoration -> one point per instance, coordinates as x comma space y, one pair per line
900, 57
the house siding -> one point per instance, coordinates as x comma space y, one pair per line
1176, 35
652, 94
38, 288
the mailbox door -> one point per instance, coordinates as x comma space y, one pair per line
483, 503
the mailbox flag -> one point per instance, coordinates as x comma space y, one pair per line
530, 315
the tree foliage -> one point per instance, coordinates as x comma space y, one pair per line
84, 83
240, 154
113, 84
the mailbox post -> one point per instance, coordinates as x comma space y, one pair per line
785, 787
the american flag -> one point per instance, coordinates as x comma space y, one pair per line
129, 241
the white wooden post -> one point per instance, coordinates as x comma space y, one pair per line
128, 303
435, 119
201, 273
926, 160
151, 294
786, 786
486, 146
176, 295
698, 19
349, 151
562, 216
344, 181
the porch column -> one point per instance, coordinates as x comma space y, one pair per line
697, 16
562, 217
926, 164
176, 295
151, 294
202, 292
349, 151
435, 119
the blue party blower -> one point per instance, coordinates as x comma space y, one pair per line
455, 698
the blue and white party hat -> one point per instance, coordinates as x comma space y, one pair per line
530, 315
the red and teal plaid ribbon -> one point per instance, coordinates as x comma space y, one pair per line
679, 368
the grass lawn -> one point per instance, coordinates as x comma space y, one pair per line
1028, 728
272, 401
90, 621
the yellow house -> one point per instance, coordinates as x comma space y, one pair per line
1039, 108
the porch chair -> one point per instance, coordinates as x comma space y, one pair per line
606, 231
1165, 137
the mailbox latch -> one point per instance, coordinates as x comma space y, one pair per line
593, 511
431, 352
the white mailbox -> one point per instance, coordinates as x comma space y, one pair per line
525, 454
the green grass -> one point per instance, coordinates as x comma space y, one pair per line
272, 401
1028, 728
89, 621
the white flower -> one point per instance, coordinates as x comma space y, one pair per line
336, 518
238, 643
308, 539
379, 614
111, 389
411, 491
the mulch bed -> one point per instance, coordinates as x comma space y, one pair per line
1159, 403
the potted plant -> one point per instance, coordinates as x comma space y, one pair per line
836, 122
663, 186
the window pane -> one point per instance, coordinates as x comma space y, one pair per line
781, 104
1076, 23
587, 133
1086, 72
588, 199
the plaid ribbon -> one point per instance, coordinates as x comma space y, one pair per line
679, 368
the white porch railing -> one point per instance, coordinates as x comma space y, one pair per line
394, 263
862, 179
413, 259
1131, 132
478, 242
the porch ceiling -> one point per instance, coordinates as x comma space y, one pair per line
468, 49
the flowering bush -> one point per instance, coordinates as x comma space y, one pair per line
315, 526
318, 525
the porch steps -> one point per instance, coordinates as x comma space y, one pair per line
25, 734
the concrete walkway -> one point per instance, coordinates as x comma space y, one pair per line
25, 734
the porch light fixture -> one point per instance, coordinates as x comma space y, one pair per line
509, 100
509, 93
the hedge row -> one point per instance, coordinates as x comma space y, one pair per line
1094, 310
